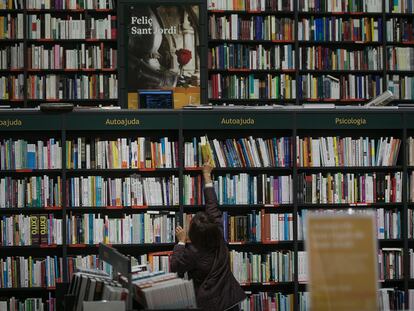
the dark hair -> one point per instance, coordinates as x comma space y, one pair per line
204, 233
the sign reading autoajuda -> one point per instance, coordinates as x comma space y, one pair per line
122, 122
8, 122
237, 121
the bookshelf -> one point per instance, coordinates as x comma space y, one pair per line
83, 128
304, 51
58, 52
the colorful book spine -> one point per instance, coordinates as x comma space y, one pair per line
134, 191
336, 151
350, 188
241, 189
273, 267
92, 229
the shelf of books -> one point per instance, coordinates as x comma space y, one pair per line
305, 51
71, 181
31, 208
253, 180
58, 51
355, 165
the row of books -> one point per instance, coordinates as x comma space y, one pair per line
11, 87
251, 5
249, 87
86, 262
150, 227
242, 152
400, 30
388, 222
400, 58
258, 227
347, 151
340, 6
399, 6
262, 268
160, 290
144, 152
28, 304
22, 154
9, 5
72, 87
238, 27
133, 191
390, 265
241, 189
391, 299
348, 87
388, 299
401, 86
333, 28
158, 261
21, 272
46, 26
139, 152
350, 188
59, 57
268, 301
95, 285
71, 4
12, 57
22, 230
12, 26
326, 58
241, 57
31, 192
255, 227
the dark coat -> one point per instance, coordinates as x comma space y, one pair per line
215, 286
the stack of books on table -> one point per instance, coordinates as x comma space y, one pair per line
95, 285
161, 290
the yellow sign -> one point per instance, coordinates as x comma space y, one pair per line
351, 121
8, 122
342, 263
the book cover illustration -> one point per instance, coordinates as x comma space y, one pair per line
163, 51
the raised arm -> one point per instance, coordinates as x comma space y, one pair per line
182, 260
210, 197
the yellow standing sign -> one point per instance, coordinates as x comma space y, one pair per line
342, 265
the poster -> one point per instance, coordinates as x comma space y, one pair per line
163, 51
342, 262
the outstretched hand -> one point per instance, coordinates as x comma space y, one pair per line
180, 234
207, 168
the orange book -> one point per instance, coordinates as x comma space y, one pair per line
153, 155
305, 152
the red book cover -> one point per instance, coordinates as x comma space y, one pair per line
113, 27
